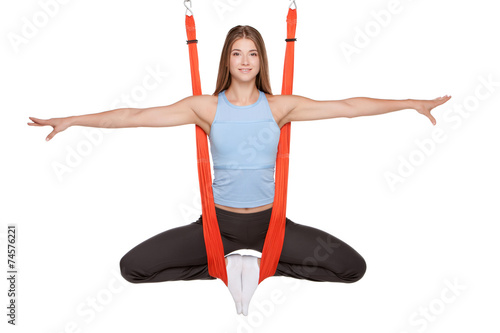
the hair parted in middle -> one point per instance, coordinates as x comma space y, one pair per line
224, 76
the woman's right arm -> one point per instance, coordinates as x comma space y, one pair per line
179, 113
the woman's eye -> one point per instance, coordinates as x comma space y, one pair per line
237, 53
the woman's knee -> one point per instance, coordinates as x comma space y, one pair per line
356, 270
129, 271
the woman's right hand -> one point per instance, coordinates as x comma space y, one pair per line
59, 124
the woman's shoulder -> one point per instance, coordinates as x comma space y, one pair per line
205, 107
281, 101
284, 102
282, 105
201, 102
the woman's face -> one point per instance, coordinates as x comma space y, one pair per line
244, 61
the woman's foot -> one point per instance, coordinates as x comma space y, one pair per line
234, 270
249, 280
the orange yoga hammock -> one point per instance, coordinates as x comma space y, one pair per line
276, 233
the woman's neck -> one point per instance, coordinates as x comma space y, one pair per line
242, 95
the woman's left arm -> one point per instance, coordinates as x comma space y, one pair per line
365, 106
301, 108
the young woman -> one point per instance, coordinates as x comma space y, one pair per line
243, 120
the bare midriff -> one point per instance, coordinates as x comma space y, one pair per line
245, 210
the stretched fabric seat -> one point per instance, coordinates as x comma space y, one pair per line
273, 243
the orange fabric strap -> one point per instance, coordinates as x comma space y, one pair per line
274, 239
276, 232
211, 233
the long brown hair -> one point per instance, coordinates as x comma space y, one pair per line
224, 77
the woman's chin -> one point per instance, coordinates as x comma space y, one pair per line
244, 78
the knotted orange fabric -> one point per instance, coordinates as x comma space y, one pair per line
273, 243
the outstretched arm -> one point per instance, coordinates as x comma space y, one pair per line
301, 108
180, 113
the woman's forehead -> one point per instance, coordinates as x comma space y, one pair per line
244, 44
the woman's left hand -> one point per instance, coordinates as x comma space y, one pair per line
425, 106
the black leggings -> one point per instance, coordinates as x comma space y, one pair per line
179, 253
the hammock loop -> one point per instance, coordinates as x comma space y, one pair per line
190, 6
292, 2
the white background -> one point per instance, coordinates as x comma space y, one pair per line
437, 225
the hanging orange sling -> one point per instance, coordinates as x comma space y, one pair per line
273, 243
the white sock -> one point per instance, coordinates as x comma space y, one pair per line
250, 281
233, 268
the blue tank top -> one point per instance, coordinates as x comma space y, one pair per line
243, 143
